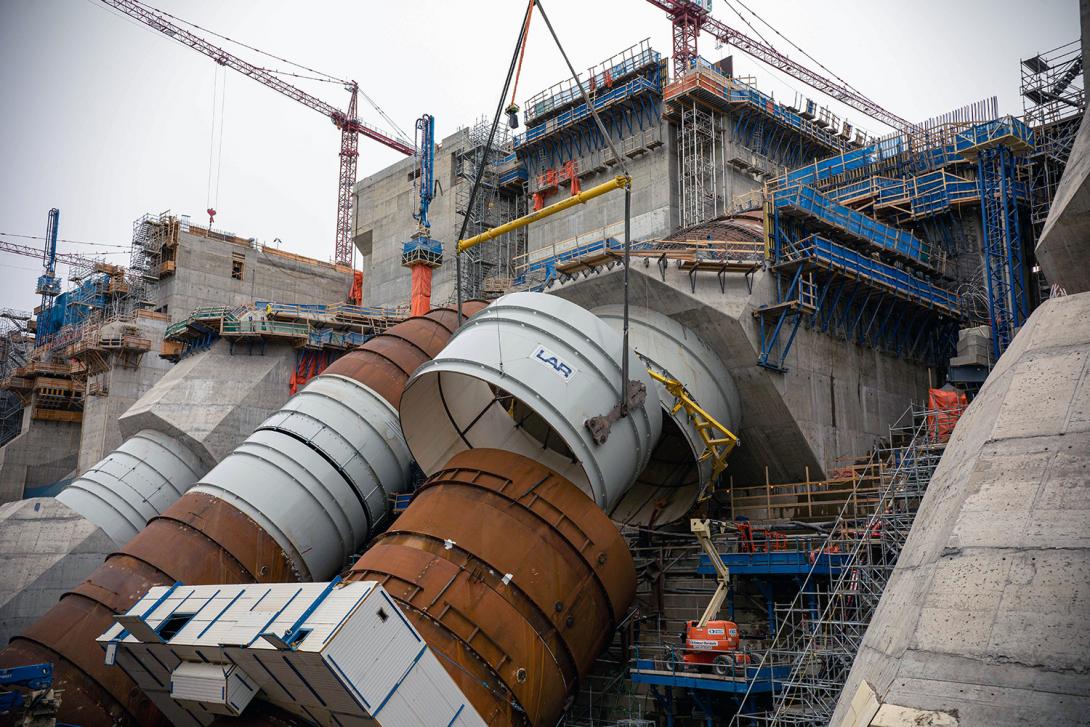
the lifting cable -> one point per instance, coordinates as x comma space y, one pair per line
484, 157
215, 148
513, 108
516, 61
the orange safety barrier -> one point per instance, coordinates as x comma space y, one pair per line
355, 294
420, 303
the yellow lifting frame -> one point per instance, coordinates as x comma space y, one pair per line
619, 182
718, 440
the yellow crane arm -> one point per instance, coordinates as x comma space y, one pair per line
702, 530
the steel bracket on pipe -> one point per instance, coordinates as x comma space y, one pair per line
600, 425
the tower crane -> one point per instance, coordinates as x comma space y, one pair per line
350, 126
689, 17
68, 258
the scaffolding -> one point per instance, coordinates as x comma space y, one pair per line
876, 226
1053, 101
319, 331
820, 633
15, 346
1004, 268
153, 255
491, 207
697, 177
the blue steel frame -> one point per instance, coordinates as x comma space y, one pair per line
624, 109
1008, 303
866, 300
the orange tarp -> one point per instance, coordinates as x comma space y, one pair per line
947, 405
420, 303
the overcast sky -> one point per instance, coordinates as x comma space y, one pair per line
107, 120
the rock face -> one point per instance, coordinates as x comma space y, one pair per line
984, 621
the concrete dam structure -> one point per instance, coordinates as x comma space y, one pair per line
664, 397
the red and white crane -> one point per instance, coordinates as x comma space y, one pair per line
350, 126
690, 17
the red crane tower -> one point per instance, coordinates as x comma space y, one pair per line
350, 126
691, 16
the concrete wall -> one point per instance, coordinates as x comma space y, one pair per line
984, 620
49, 451
43, 454
203, 277
1061, 249
654, 200
119, 389
213, 400
45, 549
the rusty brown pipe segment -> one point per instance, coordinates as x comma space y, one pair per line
515, 578
198, 540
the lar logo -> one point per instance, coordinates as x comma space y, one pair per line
550, 359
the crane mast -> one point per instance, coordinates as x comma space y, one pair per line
690, 17
350, 126
49, 285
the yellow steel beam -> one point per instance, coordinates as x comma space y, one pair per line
718, 440
619, 182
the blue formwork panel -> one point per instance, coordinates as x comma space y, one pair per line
1007, 131
750, 96
291, 309
579, 113
924, 195
826, 253
71, 307
549, 264
757, 680
777, 563
425, 244
538, 106
811, 203
519, 174
1003, 131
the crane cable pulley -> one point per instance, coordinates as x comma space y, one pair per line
512, 110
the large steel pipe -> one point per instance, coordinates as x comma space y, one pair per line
316, 475
514, 577
669, 486
527, 375
205, 539
134, 483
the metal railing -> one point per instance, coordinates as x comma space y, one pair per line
820, 632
